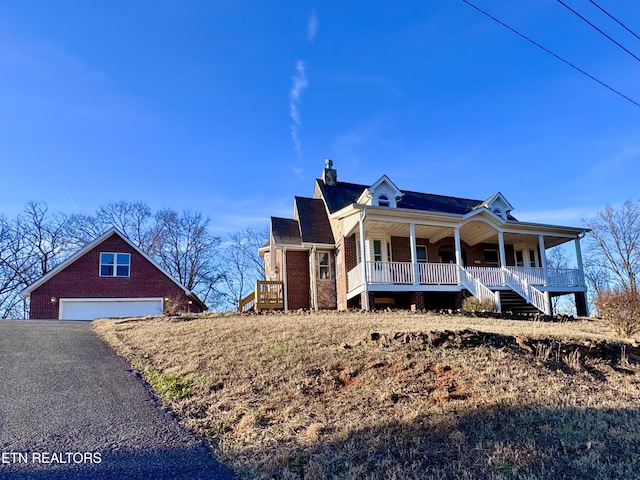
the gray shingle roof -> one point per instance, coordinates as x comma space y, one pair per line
285, 231
343, 194
314, 222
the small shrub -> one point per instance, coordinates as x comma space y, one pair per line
174, 305
474, 304
620, 307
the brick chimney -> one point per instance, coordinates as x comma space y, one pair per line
329, 174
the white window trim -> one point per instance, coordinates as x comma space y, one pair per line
426, 254
115, 265
383, 200
320, 267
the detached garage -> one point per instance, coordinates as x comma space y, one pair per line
110, 277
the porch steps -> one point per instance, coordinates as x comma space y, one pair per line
510, 301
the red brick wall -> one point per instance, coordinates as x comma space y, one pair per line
350, 253
401, 248
298, 286
82, 279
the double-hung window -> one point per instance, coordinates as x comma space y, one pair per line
115, 264
324, 266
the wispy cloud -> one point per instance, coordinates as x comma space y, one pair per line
298, 171
312, 26
297, 89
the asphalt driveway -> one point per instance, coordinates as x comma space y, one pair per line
71, 408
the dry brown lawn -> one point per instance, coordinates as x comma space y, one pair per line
311, 396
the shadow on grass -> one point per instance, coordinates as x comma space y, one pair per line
497, 442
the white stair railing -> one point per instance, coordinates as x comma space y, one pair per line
476, 287
531, 294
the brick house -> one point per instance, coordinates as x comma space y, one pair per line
368, 246
109, 277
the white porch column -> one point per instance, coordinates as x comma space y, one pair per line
458, 246
576, 242
414, 254
503, 257
503, 264
543, 259
363, 258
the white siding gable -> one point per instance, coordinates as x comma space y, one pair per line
499, 205
383, 193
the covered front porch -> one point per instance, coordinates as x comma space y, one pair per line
479, 255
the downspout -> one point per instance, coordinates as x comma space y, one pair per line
284, 278
314, 283
363, 253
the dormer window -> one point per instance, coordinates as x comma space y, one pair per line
383, 201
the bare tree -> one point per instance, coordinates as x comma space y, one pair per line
134, 219
184, 247
241, 264
45, 236
13, 265
614, 247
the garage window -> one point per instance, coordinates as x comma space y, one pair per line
115, 264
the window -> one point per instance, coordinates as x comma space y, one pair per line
383, 201
358, 253
527, 258
377, 250
491, 258
115, 264
421, 253
324, 266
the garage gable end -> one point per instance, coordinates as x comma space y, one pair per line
110, 275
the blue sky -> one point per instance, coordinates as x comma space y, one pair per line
230, 108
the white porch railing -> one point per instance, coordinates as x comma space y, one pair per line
354, 277
531, 294
490, 276
438, 273
395, 273
533, 275
402, 273
564, 277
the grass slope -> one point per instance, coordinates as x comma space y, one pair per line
311, 396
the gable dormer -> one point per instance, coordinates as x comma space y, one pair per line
382, 193
498, 205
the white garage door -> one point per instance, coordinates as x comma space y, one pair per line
90, 308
